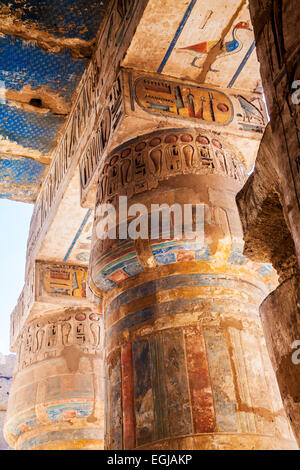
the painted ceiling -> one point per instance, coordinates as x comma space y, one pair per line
45, 46
181, 43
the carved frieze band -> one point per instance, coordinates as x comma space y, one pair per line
237, 112
96, 93
44, 339
141, 164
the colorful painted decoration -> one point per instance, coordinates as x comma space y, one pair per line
65, 281
183, 101
251, 117
227, 48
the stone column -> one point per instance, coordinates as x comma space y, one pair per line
186, 365
275, 23
56, 398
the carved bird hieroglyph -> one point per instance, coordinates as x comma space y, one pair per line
227, 48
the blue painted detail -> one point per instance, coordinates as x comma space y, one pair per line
177, 34
203, 254
178, 245
241, 66
265, 270
236, 255
171, 282
103, 283
29, 65
67, 18
120, 265
161, 251
167, 258
30, 130
167, 255
20, 178
78, 234
132, 268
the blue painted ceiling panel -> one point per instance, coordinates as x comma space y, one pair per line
24, 65
62, 18
20, 178
31, 130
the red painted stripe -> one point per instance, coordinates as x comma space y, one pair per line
128, 397
199, 381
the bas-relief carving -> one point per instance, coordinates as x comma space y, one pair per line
62, 280
141, 164
198, 103
108, 122
164, 97
96, 86
51, 283
47, 338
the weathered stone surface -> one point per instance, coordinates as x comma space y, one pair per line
269, 203
280, 314
275, 24
266, 233
185, 359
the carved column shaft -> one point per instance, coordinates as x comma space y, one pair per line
185, 359
56, 399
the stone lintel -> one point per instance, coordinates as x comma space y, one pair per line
48, 288
153, 101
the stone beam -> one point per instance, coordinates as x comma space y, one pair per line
277, 48
177, 310
154, 102
98, 89
49, 287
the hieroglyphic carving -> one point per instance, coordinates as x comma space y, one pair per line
97, 84
47, 338
184, 101
62, 280
53, 283
139, 165
108, 122
235, 112
23, 306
